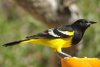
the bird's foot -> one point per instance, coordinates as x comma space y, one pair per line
65, 54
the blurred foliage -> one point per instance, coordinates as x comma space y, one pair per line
18, 24
91, 10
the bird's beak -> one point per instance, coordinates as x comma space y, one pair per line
92, 22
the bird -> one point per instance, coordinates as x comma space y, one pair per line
60, 37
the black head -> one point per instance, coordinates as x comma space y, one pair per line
82, 24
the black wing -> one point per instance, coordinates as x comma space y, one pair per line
61, 32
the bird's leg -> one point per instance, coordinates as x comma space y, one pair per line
65, 54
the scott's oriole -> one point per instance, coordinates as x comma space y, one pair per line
58, 38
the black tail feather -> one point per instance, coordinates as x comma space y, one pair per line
13, 43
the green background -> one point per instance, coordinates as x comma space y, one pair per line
14, 26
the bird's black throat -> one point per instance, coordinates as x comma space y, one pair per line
79, 32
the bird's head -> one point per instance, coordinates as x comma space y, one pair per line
82, 24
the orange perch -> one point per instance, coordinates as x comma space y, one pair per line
80, 62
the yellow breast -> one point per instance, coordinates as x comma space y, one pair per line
53, 43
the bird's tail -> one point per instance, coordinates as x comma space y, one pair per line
15, 42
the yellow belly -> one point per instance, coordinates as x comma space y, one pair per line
54, 43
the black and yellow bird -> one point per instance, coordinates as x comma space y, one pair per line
58, 38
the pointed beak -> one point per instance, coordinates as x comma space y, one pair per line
92, 22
